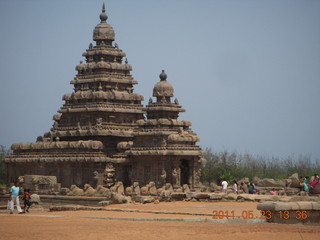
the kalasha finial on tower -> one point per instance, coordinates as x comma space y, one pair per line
163, 76
103, 15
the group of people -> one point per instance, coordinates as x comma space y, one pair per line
251, 189
243, 187
309, 186
14, 199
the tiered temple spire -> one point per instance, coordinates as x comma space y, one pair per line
102, 126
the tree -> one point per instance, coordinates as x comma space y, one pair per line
3, 168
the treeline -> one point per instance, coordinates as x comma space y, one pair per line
3, 169
234, 166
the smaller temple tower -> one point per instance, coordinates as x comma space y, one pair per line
164, 148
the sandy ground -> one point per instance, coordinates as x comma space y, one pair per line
98, 225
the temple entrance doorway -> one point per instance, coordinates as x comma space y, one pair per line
126, 173
184, 172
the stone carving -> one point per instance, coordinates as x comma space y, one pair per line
102, 191
89, 191
136, 188
152, 188
75, 191
40, 183
176, 176
118, 188
163, 176
185, 188
99, 177
109, 175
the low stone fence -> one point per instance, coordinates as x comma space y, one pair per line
290, 212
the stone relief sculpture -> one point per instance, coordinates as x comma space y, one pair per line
163, 177
176, 176
99, 177
109, 175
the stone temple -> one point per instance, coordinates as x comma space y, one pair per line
103, 134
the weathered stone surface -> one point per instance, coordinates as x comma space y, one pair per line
104, 203
186, 188
178, 196
35, 198
89, 191
230, 196
75, 191
269, 182
166, 195
118, 198
256, 180
216, 196
202, 195
294, 181
244, 180
102, 191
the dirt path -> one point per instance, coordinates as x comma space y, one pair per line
96, 225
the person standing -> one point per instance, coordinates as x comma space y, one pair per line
14, 198
235, 187
224, 185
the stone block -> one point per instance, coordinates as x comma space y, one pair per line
231, 196
265, 206
315, 205
202, 196
103, 203
178, 196
216, 196
305, 205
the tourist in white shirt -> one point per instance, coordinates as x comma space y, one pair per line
224, 185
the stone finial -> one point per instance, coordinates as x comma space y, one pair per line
163, 76
103, 15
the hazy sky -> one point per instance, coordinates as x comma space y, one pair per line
247, 72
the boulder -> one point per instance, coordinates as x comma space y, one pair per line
256, 180
244, 180
294, 181
270, 182
214, 187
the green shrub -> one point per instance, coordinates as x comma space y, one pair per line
233, 166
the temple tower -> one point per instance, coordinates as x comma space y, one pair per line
101, 128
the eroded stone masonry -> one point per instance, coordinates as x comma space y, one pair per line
103, 134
